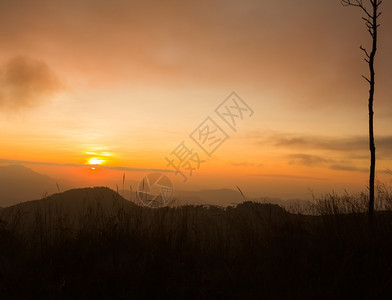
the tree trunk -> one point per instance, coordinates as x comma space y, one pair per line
370, 19
371, 113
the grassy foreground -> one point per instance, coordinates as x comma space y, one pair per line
250, 251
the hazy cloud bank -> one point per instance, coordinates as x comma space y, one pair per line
356, 147
118, 168
26, 83
316, 160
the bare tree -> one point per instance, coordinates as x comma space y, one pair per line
370, 17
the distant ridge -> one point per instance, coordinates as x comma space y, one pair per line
19, 184
230, 197
218, 197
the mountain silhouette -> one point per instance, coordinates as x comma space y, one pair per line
69, 206
19, 184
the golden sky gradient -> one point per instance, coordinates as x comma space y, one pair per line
126, 82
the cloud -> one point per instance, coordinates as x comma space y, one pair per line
348, 168
290, 176
121, 168
118, 168
314, 160
325, 143
307, 160
199, 41
352, 146
246, 164
26, 83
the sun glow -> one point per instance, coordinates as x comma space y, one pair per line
95, 161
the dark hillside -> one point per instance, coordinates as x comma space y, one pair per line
119, 250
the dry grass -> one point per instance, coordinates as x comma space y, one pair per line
252, 250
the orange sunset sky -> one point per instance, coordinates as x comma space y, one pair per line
123, 83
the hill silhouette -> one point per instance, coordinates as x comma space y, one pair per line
71, 204
19, 184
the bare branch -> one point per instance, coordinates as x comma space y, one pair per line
376, 3
364, 50
366, 78
368, 23
358, 4
349, 3
365, 10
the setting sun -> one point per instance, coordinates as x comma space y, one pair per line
95, 161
